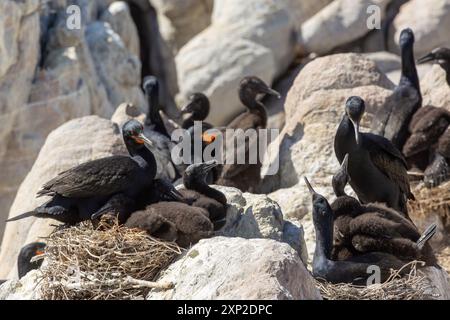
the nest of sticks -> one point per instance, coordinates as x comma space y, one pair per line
413, 286
431, 200
111, 262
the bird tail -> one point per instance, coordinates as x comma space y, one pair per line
426, 235
22, 216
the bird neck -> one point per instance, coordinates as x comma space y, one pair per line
409, 71
146, 160
345, 139
254, 106
339, 189
203, 188
153, 116
324, 241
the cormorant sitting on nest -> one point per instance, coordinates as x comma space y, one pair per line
354, 269
246, 176
392, 119
78, 193
374, 227
376, 168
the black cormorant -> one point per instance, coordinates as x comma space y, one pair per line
392, 119
374, 227
355, 269
79, 192
24, 263
377, 169
199, 194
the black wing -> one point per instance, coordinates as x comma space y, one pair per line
99, 177
386, 157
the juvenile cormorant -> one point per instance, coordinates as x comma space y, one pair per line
191, 223
374, 227
197, 109
351, 270
24, 264
246, 176
392, 119
377, 169
154, 224
201, 195
442, 57
78, 193
426, 147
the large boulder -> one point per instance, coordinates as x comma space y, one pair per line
245, 38
252, 216
237, 268
435, 89
430, 22
50, 74
27, 288
61, 151
339, 23
19, 54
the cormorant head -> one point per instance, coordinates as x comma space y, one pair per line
354, 109
406, 37
24, 263
322, 212
341, 178
197, 107
253, 86
439, 55
150, 85
198, 172
133, 135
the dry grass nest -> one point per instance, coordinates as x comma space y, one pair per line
116, 262
428, 200
413, 286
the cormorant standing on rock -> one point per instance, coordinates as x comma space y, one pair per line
392, 119
376, 168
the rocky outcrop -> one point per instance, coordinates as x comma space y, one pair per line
339, 23
253, 216
234, 46
237, 268
73, 143
430, 23
27, 288
435, 89
50, 74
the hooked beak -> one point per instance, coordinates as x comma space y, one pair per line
272, 92
142, 139
426, 58
310, 188
356, 127
175, 195
186, 108
207, 166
